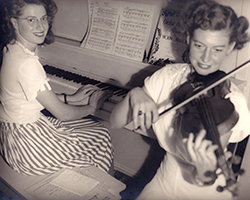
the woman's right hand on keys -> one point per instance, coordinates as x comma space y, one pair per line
84, 92
97, 98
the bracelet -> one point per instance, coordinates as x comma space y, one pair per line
65, 98
201, 183
198, 181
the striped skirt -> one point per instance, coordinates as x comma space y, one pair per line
48, 145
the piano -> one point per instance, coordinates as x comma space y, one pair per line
69, 66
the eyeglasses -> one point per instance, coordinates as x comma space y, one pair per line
33, 21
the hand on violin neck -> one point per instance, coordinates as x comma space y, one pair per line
144, 109
202, 155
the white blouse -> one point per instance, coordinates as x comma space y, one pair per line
22, 76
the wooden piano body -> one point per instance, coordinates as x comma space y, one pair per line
136, 154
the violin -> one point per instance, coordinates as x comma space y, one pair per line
210, 111
221, 110
219, 124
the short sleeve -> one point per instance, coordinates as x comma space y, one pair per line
242, 127
163, 81
32, 78
153, 84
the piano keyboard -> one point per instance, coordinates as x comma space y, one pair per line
67, 82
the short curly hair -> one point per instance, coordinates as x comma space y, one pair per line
13, 9
210, 15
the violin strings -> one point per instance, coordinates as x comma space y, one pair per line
206, 112
208, 117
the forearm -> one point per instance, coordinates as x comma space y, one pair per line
55, 105
69, 112
70, 99
120, 114
137, 101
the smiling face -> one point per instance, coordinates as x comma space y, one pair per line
208, 48
32, 26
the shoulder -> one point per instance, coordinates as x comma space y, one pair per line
169, 74
25, 62
174, 69
166, 79
19, 54
171, 70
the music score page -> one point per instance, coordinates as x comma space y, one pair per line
119, 28
77, 184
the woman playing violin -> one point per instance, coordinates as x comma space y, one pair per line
213, 32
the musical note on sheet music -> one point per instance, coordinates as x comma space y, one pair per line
136, 14
119, 28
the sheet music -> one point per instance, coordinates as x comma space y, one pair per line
119, 28
78, 183
74, 183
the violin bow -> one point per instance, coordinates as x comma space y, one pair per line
204, 90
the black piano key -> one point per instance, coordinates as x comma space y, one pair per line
119, 92
122, 94
83, 80
102, 85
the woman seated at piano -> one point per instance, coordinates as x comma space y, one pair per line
190, 169
30, 142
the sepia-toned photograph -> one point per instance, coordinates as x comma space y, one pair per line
124, 99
